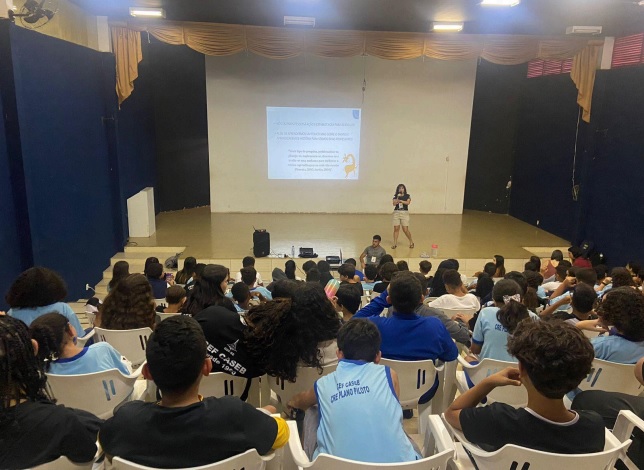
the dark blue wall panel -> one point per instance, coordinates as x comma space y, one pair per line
62, 110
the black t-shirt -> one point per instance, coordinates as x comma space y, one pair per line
399, 206
190, 436
493, 426
380, 287
42, 431
355, 285
224, 331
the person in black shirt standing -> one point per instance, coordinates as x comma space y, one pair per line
401, 201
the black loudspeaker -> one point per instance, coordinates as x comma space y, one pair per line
261, 244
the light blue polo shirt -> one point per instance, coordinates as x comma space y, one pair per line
493, 336
28, 315
95, 358
616, 348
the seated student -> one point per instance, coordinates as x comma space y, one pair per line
457, 295
154, 274
425, 269
325, 272
582, 300
577, 258
33, 430
535, 296
407, 336
575, 276
175, 297
609, 404
365, 425
249, 262
554, 357
347, 273
561, 271
402, 265
313, 276
120, 270
622, 309
386, 272
129, 306
308, 265
58, 351
241, 297
289, 271
347, 301
496, 324
370, 274
188, 271
248, 277
184, 429
284, 289
359, 273
619, 277
37, 291
195, 277
548, 269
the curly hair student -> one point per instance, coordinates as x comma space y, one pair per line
130, 305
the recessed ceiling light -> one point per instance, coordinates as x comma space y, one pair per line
147, 12
500, 3
299, 21
445, 27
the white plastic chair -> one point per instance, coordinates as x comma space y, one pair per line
612, 377
91, 318
63, 463
626, 422
415, 379
438, 450
99, 393
130, 343
514, 396
249, 460
162, 316
511, 456
306, 377
81, 340
220, 384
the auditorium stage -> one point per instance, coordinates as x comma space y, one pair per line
472, 235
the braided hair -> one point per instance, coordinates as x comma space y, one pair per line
21, 374
51, 332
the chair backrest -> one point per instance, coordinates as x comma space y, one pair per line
511, 456
450, 312
249, 460
63, 463
220, 384
515, 396
438, 443
163, 316
612, 377
99, 392
306, 377
160, 302
415, 379
91, 318
130, 343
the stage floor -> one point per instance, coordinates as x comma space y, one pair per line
473, 235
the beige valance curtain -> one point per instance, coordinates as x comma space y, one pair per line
284, 43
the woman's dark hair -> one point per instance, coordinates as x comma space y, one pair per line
557, 255
530, 298
207, 291
398, 187
325, 272
289, 269
437, 287
500, 265
621, 277
151, 259
285, 333
36, 287
623, 308
505, 287
308, 265
120, 271
130, 305
51, 332
20, 370
511, 314
484, 286
402, 265
189, 265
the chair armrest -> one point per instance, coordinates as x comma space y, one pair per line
295, 447
461, 360
80, 341
137, 372
626, 421
437, 437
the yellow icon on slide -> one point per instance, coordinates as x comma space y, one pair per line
351, 167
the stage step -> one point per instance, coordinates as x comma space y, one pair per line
169, 250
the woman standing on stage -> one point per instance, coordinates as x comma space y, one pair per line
401, 203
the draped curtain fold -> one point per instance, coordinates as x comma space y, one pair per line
283, 43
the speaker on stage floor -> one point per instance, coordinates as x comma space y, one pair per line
261, 243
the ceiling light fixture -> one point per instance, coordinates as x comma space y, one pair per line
500, 3
144, 12
584, 30
444, 27
299, 21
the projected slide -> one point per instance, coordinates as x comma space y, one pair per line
313, 143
